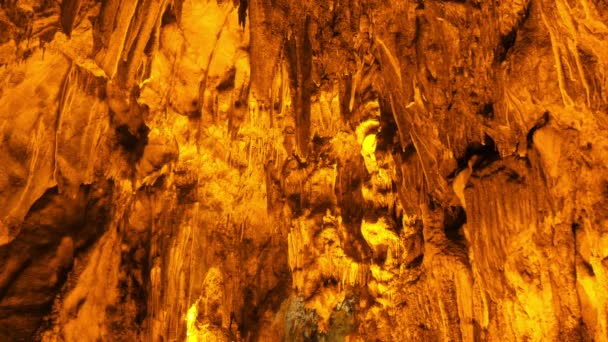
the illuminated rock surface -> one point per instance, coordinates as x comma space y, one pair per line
348, 170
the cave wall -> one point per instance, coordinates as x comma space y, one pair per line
256, 170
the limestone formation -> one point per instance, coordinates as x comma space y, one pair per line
342, 170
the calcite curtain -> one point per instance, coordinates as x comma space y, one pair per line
286, 170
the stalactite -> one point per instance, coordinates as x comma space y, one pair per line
280, 170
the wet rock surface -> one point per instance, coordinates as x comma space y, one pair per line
256, 170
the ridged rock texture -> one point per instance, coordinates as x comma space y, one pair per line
286, 170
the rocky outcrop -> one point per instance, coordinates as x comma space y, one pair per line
281, 170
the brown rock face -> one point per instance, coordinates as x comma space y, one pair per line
252, 170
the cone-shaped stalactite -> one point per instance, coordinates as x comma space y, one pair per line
352, 170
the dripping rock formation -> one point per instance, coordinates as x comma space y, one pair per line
285, 170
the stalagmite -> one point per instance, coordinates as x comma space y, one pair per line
250, 170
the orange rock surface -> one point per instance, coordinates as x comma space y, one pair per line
282, 170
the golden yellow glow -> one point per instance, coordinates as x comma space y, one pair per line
303, 170
192, 332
